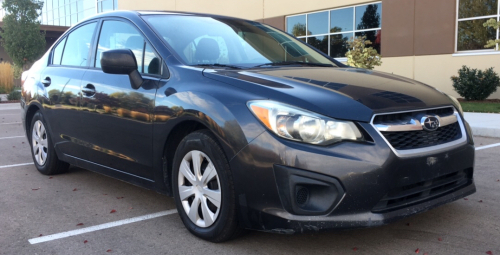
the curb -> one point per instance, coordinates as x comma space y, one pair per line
486, 131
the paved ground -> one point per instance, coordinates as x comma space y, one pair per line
484, 124
32, 204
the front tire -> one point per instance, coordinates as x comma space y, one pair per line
203, 188
42, 150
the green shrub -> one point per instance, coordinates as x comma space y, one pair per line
473, 84
360, 55
14, 95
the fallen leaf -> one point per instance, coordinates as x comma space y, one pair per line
23, 142
51, 177
131, 208
74, 189
40, 235
354, 249
498, 180
489, 253
440, 239
113, 211
109, 250
426, 253
85, 241
119, 197
35, 189
466, 198
417, 250
408, 224
79, 224
480, 201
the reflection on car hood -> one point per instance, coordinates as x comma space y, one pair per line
344, 93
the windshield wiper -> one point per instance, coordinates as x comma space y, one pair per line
220, 65
282, 63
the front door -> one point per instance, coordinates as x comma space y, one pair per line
116, 119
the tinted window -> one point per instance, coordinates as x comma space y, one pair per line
341, 20
477, 8
317, 23
120, 35
296, 25
368, 16
77, 47
56, 60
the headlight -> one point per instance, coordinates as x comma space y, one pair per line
457, 104
301, 125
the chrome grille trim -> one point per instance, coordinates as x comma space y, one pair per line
416, 125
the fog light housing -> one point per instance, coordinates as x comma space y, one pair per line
306, 193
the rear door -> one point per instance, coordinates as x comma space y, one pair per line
116, 119
70, 59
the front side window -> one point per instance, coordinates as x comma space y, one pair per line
329, 31
122, 35
77, 49
472, 14
208, 41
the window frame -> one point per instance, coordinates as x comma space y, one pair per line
481, 51
64, 38
354, 31
163, 72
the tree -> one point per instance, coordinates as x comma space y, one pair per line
360, 55
21, 36
492, 23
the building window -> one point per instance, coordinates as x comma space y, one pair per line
330, 30
471, 34
70, 12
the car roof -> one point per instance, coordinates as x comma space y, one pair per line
156, 12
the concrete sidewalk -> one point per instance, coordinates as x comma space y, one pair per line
484, 124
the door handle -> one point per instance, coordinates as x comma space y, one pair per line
88, 90
46, 82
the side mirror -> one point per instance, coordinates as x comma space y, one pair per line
122, 61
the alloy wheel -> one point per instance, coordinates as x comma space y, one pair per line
199, 188
39, 142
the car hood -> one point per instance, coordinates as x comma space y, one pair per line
343, 93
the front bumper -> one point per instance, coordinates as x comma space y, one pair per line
366, 174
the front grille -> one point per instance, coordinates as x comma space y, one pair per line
423, 191
407, 140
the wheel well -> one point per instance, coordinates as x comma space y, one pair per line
174, 139
29, 116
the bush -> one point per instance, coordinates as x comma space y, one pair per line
360, 55
14, 95
473, 84
6, 78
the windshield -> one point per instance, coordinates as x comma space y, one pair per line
231, 42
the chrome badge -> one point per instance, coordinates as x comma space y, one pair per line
429, 123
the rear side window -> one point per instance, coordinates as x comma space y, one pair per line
77, 47
121, 35
58, 51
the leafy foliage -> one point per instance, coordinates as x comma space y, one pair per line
21, 36
493, 23
360, 55
14, 95
473, 84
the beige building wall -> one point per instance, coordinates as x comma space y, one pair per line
436, 70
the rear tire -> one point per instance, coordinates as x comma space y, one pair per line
42, 150
207, 206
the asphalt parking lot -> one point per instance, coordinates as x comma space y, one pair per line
82, 212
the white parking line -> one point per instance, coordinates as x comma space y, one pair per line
10, 123
11, 137
487, 146
99, 227
23, 164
